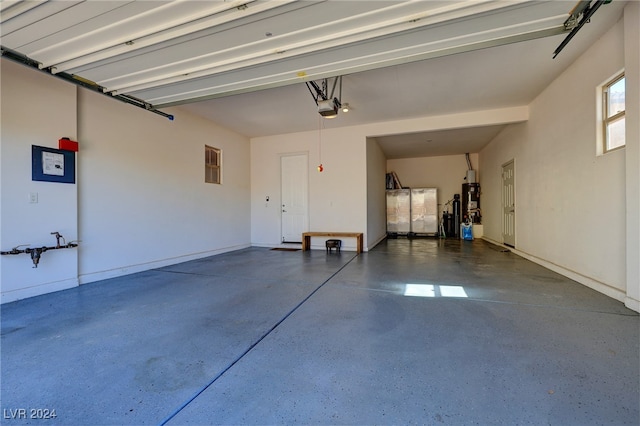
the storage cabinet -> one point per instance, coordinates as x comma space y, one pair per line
424, 211
412, 211
399, 211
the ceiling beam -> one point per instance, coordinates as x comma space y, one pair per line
11, 9
217, 14
206, 65
286, 78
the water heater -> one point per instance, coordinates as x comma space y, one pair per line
471, 202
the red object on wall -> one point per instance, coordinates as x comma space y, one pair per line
67, 145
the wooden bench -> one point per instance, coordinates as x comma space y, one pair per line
306, 238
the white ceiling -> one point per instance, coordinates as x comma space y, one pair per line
244, 63
438, 143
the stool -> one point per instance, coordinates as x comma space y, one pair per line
333, 244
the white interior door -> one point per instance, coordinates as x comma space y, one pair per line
508, 204
294, 188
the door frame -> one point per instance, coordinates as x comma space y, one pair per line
306, 179
502, 208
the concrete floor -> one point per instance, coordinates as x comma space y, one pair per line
419, 331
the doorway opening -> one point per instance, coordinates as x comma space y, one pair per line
508, 204
294, 188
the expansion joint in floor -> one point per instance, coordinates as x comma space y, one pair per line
253, 345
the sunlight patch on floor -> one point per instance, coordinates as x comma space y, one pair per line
434, 290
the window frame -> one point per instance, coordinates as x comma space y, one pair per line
609, 120
208, 165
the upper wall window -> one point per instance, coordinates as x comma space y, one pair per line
212, 164
613, 108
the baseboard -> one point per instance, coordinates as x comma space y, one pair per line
132, 269
632, 304
37, 290
598, 286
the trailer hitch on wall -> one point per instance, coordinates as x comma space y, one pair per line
36, 252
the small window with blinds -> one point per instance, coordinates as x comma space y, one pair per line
212, 165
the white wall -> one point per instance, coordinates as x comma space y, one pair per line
140, 200
36, 110
143, 199
338, 196
503, 148
570, 209
376, 196
446, 173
